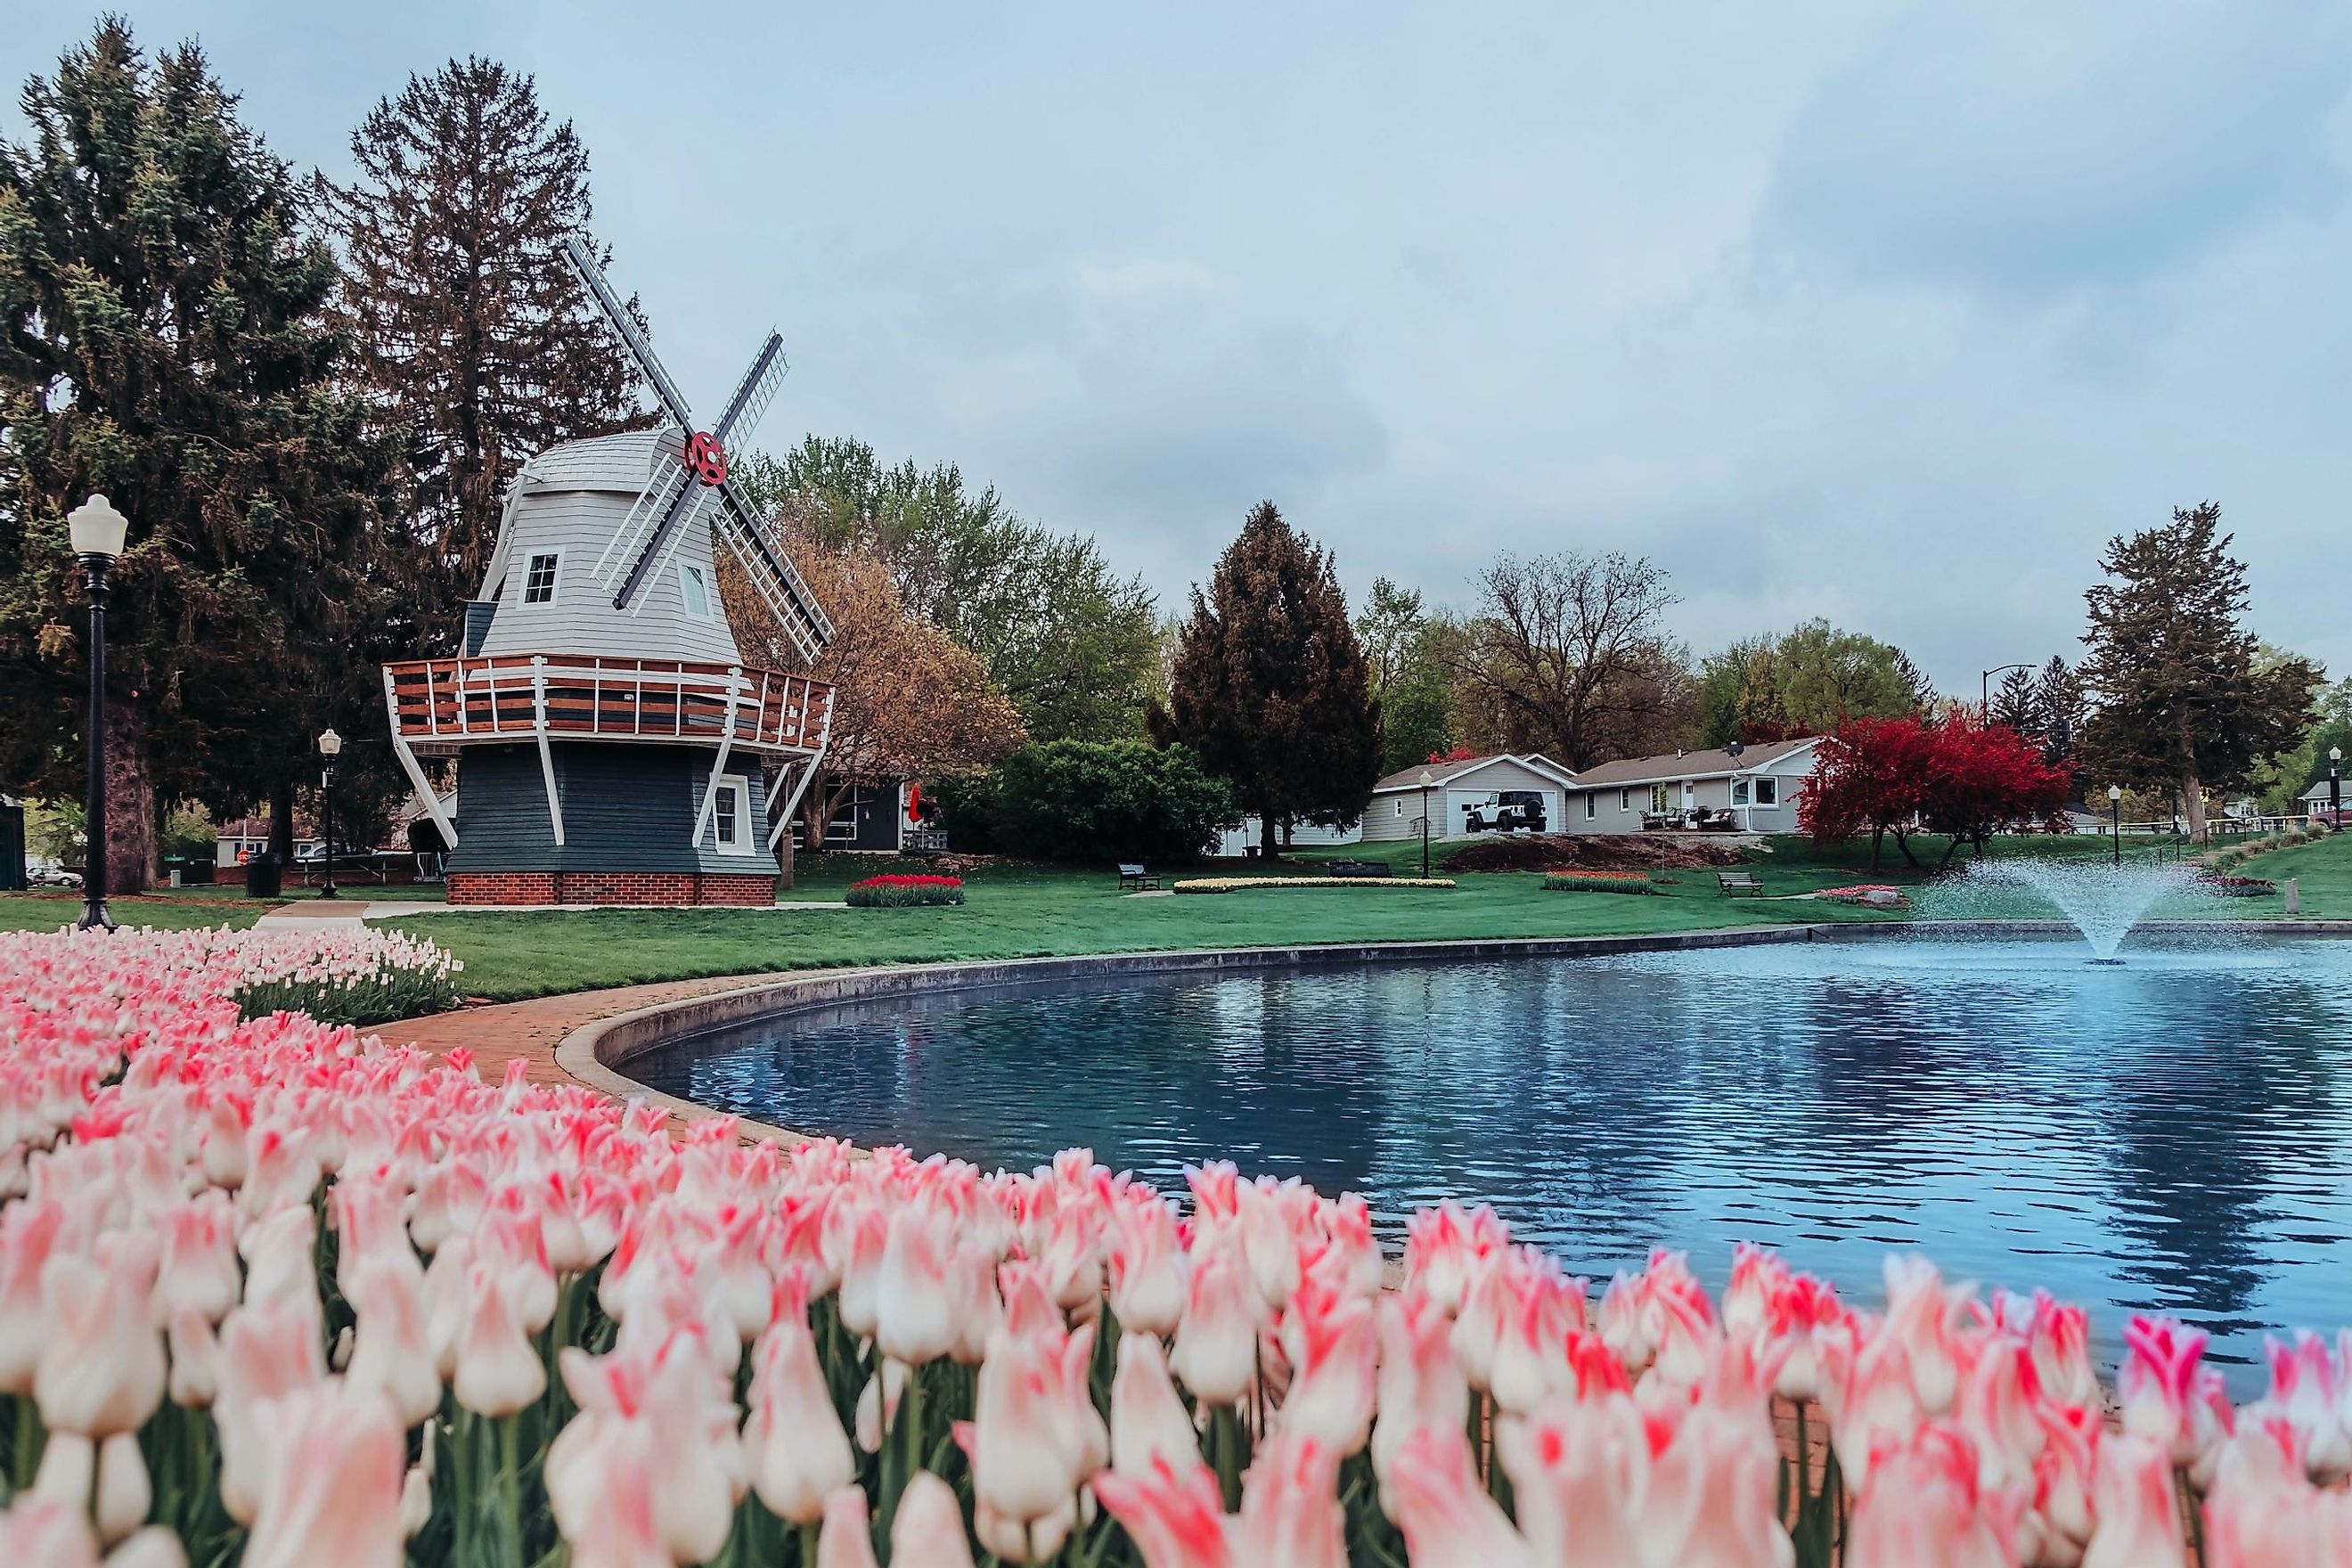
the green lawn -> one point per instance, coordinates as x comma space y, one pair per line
1022, 911
1039, 912
177, 908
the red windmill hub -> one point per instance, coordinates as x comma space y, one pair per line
707, 459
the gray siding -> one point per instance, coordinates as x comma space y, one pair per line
1390, 817
579, 524
625, 809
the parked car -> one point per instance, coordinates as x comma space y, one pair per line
45, 876
1507, 811
309, 857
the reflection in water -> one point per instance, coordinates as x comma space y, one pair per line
2173, 1135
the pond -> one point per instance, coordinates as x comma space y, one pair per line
2172, 1135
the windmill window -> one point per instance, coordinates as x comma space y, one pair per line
539, 577
695, 589
730, 817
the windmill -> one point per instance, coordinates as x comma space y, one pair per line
600, 676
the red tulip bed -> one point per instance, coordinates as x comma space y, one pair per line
898, 892
1598, 882
278, 1294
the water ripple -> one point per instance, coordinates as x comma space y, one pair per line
2172, 1135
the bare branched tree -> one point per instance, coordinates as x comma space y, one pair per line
1568, 656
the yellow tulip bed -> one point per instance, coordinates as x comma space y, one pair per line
1243, 884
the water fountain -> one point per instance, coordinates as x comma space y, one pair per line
2101, 902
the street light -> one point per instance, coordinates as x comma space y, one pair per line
1984, 691
330, 746
96, 530
2116, 813
1427, 779
2335, 788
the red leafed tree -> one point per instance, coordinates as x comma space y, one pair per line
1893, 777
1984, 777
1868, 777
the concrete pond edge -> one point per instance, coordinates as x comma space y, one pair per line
597, 1052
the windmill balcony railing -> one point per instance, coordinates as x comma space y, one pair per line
439, 705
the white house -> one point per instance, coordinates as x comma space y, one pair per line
1472, 795
1755, 791
2316, 799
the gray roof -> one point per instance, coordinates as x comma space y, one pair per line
1446, 772
1672, 765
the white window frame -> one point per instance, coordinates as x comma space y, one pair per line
554, 583
688, 571
1661, 800
1768, 783
1400, 807
1625, 798
1740, 792
740, 787
1591, 803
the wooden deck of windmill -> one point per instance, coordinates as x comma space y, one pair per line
613, 747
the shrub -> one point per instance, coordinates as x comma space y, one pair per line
905, 893
1096, 802
1240, 884
2236, 887
1597, 882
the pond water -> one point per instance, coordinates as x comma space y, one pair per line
2171, 1135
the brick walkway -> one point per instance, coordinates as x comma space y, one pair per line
531, 1030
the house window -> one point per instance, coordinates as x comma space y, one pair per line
1400, 808
1740, 792
1625, 799
730, 815
1658, 798
538, 578
1591, 803
695, 589
1768, 791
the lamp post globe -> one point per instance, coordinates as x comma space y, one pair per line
2335, 788
2115, 815
97, 532
330, 746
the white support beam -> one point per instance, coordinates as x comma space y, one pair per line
415, 770
719, 767
546, 758
780, 821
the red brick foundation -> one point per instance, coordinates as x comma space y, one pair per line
681, 888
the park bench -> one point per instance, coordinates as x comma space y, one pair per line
1731, 884
1360, 868
1135, 878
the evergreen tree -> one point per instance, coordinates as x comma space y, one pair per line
1270, 686
475, 335
2015, 703
163, 340
2182, 700
2058, 710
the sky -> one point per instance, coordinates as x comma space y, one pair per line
1887, 312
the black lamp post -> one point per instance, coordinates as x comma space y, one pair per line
330, 746
2334, 788
2116, 815
1427, 779
1984, 689
96, 530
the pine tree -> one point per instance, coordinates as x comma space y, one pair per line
1270, 686
2182, 701
475, 336
2013, 702
162, 340
2058, 710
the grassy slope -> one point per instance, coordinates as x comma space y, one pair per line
1034, 911
1021, 911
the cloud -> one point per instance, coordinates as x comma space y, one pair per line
2036, 148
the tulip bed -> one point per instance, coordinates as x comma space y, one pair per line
1247, 884
273, 1293
898, 892
1597, 882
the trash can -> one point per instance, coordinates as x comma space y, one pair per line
262, 874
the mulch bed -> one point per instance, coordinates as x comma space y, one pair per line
1599, 851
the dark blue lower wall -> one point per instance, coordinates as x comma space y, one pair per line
625, 809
